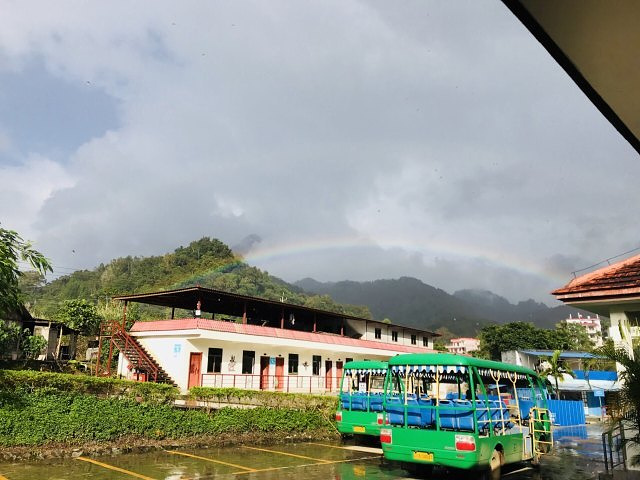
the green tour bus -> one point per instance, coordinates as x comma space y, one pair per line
361, 397
463, 412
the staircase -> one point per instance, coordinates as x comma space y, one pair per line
136, 354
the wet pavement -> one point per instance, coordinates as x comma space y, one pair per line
577, 455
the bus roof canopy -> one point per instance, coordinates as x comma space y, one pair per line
366, 364
451, 359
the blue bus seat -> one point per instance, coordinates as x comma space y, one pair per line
395, 411
525, 409
375, 402
427, 413
482, 414
414, 417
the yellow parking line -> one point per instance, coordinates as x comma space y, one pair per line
111, 467
248, 470
290, 454
351, 448
326, 462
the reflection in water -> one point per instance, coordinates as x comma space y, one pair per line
578, 454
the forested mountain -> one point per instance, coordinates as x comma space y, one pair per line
206, 262
210, 263
409, 301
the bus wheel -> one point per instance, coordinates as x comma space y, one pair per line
495, 466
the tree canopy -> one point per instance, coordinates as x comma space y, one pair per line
207, 262
495, 339
14, 249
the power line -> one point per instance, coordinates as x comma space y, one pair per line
608, 260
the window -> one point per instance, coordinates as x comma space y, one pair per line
425, 342
378, 333
214, 361
348, 360
248, 359
394, 336
315, 365
293, 364
414, 339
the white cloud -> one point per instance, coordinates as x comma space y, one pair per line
444, 138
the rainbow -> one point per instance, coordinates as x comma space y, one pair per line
434, 249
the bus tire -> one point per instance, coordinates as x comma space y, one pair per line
495, 466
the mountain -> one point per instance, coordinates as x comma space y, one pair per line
411, 302
206, 262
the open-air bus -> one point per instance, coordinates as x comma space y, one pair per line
361, 398
463, 412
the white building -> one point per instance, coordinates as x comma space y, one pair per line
268, 345
463, 345
590, 324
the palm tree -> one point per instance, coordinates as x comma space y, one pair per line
629, 394
556, 369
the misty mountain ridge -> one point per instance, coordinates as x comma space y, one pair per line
413, 303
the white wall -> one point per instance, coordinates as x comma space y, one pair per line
173, 354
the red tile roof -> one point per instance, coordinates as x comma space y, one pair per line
620, 279
231, 327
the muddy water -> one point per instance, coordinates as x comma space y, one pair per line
577, 456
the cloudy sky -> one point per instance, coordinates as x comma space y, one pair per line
355, 140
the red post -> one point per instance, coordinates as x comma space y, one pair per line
314, 323
282, 319
109, 359
244, 314
99, 352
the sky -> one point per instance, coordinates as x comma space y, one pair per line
334, 140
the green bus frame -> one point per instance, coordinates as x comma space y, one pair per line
359, 421
485, 450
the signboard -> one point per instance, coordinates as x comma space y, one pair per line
272, 360
598, 393
177, 347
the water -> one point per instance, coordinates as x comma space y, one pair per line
576, 457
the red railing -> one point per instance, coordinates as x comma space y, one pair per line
276, 383
130, 348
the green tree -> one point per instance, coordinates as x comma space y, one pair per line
495, 339
9, 336
571, 336
556, 368
80, 315
14, 249
32, 345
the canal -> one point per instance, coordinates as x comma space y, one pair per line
577, 456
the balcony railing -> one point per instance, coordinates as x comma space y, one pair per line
274, 383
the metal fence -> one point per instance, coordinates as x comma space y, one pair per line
566, 412
613, 445
276, 383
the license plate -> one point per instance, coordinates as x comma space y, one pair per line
424, 456
358, 429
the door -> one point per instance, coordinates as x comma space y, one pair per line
264, 373
338, 374
279, 373
195, 363
328, 382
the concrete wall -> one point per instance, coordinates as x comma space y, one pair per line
173, 354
